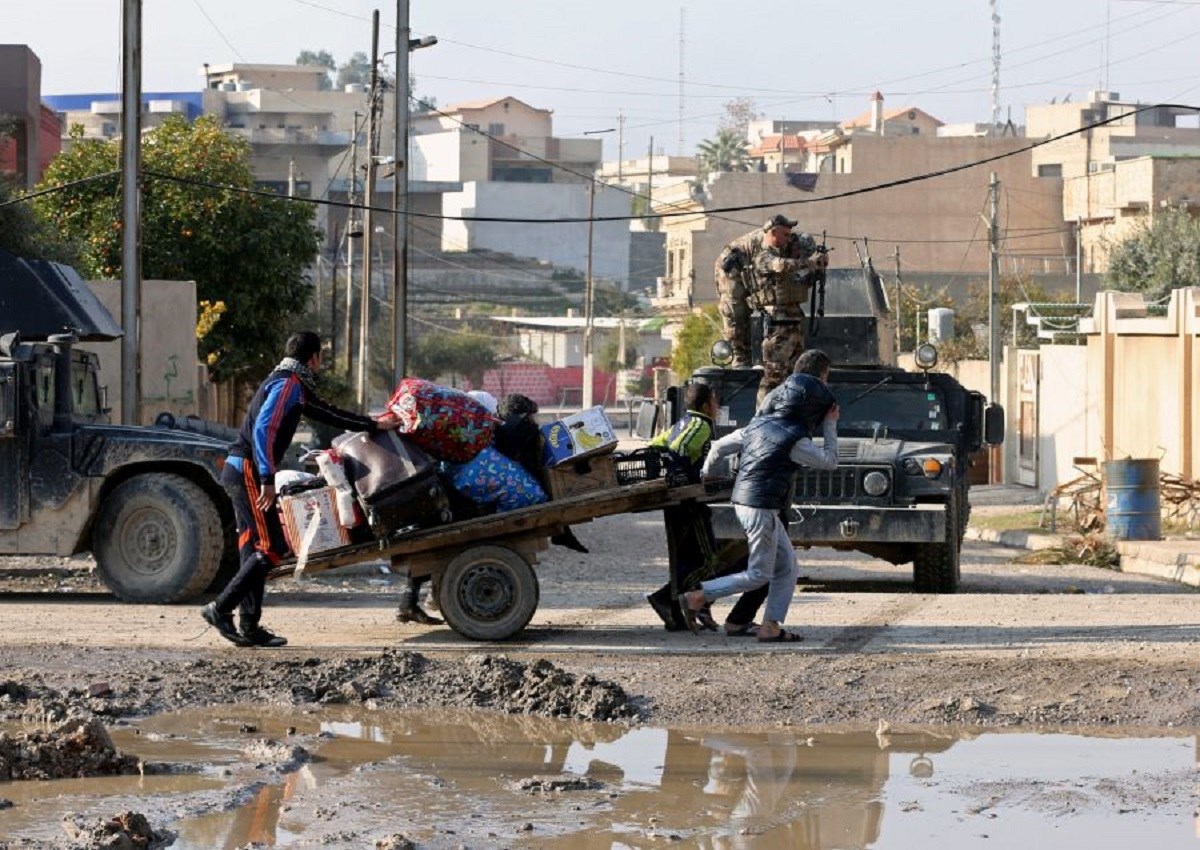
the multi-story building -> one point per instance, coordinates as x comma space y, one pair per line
1116, 177
29, 130
934, 223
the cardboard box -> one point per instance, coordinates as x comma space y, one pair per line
586, 475
311, 518
580, 435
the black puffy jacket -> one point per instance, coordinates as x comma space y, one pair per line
791, 412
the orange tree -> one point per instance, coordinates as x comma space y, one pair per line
249, 251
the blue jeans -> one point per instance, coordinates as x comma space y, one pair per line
772, 561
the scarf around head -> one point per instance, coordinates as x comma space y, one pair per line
306, 376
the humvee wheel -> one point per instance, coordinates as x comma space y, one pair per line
936, 567
488, 593
157, 538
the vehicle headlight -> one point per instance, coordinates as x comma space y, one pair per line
911, 466
926, 355
932, 467
875, 483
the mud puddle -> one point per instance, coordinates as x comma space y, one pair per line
354, 777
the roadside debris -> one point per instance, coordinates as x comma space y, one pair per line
77, 748
128, 831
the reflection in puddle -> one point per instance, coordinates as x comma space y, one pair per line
464, 778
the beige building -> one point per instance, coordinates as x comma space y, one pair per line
1115, 177
519, 145
935, 222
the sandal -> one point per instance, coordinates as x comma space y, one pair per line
690, 615
704, 619
746, 630
784, 636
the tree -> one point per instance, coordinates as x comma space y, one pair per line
739, 112
322, 59
727, 152
1159, 257
435, 355
609, 357
357, 69
22, 234
694, 341
248, 251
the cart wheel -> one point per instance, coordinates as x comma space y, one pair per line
488, 593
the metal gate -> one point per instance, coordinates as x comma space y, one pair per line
1029, 374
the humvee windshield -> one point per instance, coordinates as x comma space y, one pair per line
897, 407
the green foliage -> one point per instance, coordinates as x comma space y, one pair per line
249, 251
970, 317
22, 234
608, 358
1161, 256
436, 355
357, 69
727, 152
694, 341
322, 59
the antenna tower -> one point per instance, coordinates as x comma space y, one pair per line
682, 22
995, 66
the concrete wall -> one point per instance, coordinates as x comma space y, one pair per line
451, 156
169, 378
560, 244
1130, 392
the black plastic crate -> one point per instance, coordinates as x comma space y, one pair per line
648, 464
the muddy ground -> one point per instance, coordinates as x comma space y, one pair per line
1021, 646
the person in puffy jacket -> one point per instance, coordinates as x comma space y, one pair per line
771, 448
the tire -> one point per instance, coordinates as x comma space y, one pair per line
158, 538
936, 567
488, 593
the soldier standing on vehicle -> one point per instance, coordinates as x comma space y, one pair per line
288, 393
768, 271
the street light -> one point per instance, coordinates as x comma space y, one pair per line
404, 46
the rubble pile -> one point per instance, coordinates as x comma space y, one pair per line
77, 748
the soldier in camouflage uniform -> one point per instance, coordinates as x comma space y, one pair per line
762, 272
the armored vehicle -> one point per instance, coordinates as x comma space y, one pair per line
146, 501
904, 440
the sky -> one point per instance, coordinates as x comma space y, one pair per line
591, 62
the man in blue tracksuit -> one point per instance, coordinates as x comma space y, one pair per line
288, 393
776, 442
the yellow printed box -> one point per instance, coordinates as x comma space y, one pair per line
584, 434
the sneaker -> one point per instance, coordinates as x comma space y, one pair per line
223, 623
416, 614
258, 636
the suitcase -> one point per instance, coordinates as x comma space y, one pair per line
397, 483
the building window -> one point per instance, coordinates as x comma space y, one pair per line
1050, 169
495, 129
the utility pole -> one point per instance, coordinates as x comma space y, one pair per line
1079, 259
364, 306
400, 199
620, 146
899, 294
131, 212
291, 178
589, 303
347, 324
994, 456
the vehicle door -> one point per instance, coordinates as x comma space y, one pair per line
14, 484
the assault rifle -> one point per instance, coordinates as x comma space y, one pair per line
816, 296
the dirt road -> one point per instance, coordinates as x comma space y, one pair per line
1019, 645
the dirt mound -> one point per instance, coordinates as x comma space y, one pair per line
77, 748
130, 831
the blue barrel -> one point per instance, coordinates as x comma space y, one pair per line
1133, 510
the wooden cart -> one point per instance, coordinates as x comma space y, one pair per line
484, 566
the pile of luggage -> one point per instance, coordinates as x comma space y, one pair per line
439, 466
